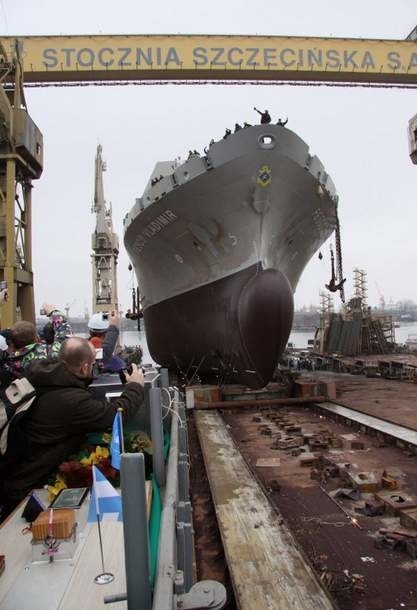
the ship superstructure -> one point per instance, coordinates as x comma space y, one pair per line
219, 243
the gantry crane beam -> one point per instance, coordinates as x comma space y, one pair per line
58, 59
21, 155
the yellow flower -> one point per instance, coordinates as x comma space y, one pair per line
102, 452
56, 488
87, 461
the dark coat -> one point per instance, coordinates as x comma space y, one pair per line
55, 427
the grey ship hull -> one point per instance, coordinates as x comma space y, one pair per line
218, 246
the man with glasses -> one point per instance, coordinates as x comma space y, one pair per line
64, 411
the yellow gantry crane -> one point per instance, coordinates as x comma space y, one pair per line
69, 60
21, 158
57, 59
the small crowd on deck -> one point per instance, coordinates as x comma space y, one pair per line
60, 367
265, 120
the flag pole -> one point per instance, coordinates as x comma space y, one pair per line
101, 543
122, 439
105, 577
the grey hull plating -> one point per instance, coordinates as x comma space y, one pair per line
218, 246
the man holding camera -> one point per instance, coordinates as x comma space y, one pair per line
64, 411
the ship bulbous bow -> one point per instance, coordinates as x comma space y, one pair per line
265, 315
230, 331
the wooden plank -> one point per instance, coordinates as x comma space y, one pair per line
15, 545
81, 591
266, 568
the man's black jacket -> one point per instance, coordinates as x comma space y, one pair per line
55, 427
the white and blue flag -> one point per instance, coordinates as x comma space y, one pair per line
116, 443
105, 501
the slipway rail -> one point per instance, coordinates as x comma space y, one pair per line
373, 425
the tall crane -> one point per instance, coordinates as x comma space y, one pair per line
21, 161
105, 246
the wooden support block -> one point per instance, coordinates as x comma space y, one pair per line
308, 459
408, 517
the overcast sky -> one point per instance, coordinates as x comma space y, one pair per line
360, 134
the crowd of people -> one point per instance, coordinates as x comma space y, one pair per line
265, 120
60, 367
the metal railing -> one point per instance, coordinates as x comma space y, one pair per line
174, 587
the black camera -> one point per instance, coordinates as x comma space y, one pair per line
129, 371
105, 316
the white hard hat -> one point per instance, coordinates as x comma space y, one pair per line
98, 322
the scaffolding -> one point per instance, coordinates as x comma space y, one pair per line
360, 285
356, 330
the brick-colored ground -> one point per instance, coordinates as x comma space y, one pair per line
334, 547
395, 401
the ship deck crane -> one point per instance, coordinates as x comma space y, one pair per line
105, 246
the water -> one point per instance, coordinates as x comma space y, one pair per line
401, 334
300, 339
134, 337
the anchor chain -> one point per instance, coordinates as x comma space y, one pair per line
337, 280
339, 262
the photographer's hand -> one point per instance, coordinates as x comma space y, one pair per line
137, 376
114, 319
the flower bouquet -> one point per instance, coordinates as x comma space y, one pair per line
77, 470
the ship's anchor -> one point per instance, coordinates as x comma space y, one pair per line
136, 312
332, 285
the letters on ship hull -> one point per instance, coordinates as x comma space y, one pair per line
218, 244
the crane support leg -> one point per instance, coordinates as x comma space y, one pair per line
21, 161
15, 240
